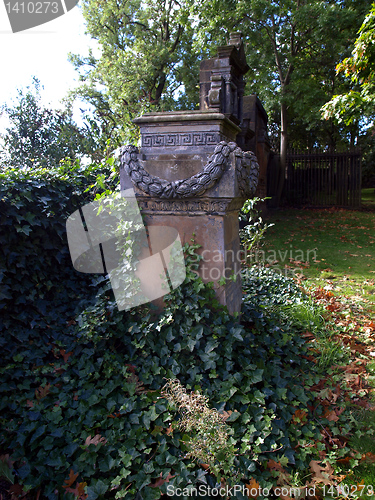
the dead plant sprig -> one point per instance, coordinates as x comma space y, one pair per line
210, 441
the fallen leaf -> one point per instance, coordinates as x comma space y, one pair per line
95, 440
226, 414
368, 457
321, 473
16, 491
331, 416
160, 481
78, 491
252, 486
344, 460
42, 392
65, 354
71, 479
273, 465
299, 416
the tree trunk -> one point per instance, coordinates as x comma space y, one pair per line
283, 149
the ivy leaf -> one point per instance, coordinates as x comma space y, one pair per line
237, 333
24, 229
97, 489
24, 471
210, 346
6, 468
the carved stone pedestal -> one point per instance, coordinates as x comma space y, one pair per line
214, 224
205, 203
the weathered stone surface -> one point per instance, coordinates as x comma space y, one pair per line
218, 235
181, 131
254, 137
211, 217
221, 80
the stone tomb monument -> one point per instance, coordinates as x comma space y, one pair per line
190, 174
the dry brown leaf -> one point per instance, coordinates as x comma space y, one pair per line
299, 416
273, 465
331, 416
78, 491
16, 491
321, 473
368, 457
251, 487
42, 392
65, 355
160, 481
95, 440
226, 414
71, 479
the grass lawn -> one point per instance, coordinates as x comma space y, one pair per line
368, 198
331, 253
331, 248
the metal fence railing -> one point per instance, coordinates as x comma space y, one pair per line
323, 179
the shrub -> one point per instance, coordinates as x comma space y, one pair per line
40, 289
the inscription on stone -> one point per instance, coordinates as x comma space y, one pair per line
193, 206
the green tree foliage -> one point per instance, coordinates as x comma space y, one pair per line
359, 101
150, 55
145, 58
291, 50
39, 136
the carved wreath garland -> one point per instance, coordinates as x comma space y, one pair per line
246, 165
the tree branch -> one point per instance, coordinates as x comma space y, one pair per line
178, 38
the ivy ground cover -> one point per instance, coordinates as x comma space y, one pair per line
82, 412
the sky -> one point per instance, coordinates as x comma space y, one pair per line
42, 52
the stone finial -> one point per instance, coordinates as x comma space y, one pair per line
221, 80
235, 39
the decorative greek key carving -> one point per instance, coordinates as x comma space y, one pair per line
212, 138
246, 166
180, 139
186, 139
159, 140
147, 141
171, 140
